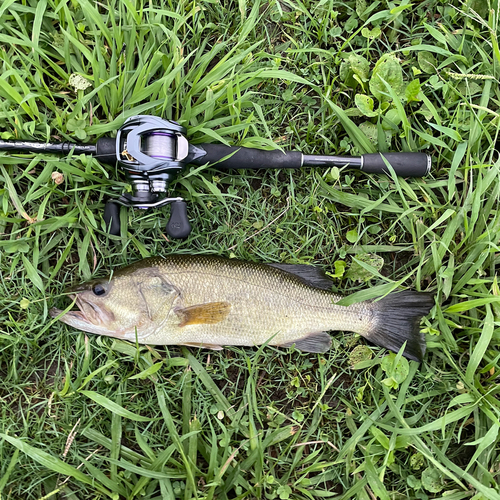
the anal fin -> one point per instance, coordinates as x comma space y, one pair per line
208, 314
313, 342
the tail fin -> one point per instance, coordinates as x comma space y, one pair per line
396, 321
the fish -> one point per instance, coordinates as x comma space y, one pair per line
209, 301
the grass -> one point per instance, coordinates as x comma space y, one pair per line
87, 417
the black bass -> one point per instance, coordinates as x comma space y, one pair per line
209, 301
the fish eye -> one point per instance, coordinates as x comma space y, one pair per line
98, 289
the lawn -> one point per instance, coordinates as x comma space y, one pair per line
87, 417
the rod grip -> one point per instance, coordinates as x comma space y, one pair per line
246, 158
404, 164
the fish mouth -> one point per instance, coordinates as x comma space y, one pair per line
90, 317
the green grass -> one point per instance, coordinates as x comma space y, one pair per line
85, 417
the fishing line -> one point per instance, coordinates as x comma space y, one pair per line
159, 145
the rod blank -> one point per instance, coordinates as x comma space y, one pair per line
60, 148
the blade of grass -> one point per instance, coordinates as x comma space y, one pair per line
113, 407
481, 346
51, 462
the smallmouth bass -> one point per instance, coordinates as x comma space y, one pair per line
210, 301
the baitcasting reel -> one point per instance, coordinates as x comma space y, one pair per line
152, 151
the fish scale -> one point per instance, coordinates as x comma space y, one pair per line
266, 303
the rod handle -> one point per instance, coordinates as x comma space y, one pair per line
234, 158
404, 164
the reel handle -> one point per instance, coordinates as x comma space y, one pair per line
178, 226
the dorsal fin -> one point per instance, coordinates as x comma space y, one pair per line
310, 275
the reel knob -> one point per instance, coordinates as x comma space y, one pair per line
112, 218
178, 225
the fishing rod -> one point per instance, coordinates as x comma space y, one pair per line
152, 151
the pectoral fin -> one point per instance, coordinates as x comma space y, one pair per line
209, 314
313, 342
